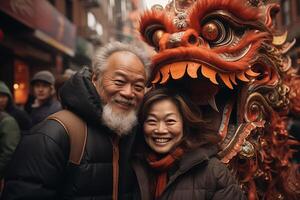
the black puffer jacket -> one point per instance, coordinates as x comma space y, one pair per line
197, 176
40, 167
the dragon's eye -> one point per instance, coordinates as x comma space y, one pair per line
210, 31
214, 32
157, 36
153, 33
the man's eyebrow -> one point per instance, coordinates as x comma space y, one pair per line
119, 73
124, 75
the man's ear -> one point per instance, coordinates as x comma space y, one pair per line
94, 79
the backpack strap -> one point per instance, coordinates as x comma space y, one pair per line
76, 129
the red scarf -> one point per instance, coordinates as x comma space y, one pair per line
162, 165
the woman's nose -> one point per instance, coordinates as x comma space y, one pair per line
161, 128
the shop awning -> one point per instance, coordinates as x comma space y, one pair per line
49, 24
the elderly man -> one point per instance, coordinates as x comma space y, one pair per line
106, 100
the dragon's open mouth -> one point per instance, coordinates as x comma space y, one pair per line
211, 89
177, 70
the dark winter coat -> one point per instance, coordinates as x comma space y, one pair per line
198, 175
20, 115
40, 168
40, 113
9, 139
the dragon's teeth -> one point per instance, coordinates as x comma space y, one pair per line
212, 103
226, 80
192, 69
209, 73
242, 77
157, 78
177, 70
165, 71
252, 73
232, 78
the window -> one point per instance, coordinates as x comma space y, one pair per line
52, 2
298, 7
69, 9
286, 12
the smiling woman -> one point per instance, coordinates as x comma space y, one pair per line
176, 152
163, 127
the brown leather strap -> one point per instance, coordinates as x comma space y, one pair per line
76, 128
115, 144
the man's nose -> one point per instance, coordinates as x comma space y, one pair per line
127, 91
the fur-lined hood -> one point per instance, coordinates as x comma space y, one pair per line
80, 96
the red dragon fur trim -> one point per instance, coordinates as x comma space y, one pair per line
155, 17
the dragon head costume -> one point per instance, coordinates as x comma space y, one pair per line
227, 56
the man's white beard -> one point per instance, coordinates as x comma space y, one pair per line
121, 123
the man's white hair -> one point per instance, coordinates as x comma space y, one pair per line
99, 63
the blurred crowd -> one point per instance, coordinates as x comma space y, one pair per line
16, 121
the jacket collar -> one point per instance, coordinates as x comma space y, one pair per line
197, 156
193, 158
189, 160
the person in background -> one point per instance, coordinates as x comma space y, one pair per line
45, 102
9, 139
175, 155
7, 104
61, 79
106, 98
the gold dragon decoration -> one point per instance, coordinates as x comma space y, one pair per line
227, 56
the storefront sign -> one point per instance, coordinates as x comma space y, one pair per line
48, 23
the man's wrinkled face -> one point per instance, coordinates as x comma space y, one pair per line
42, 90
3, 101
122, 84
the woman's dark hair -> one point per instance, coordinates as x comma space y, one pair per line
195, 133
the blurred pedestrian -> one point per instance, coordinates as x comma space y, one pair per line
7, 104
9, 139
61, 79
45, 102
